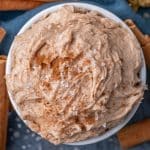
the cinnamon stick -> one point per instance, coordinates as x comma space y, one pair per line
18, 4
143, 39
22, 4
2, 33
134, 134
44, 0
3, 105
140, 36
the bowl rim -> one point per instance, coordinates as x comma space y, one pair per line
107, 14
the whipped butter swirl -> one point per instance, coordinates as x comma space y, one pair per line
75, 74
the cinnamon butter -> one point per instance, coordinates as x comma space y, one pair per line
75, 74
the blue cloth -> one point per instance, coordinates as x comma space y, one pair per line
19, 136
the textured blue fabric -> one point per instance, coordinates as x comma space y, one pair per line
19, 137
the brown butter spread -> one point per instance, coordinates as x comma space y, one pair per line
75, 74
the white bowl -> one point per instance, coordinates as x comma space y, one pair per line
104, 13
